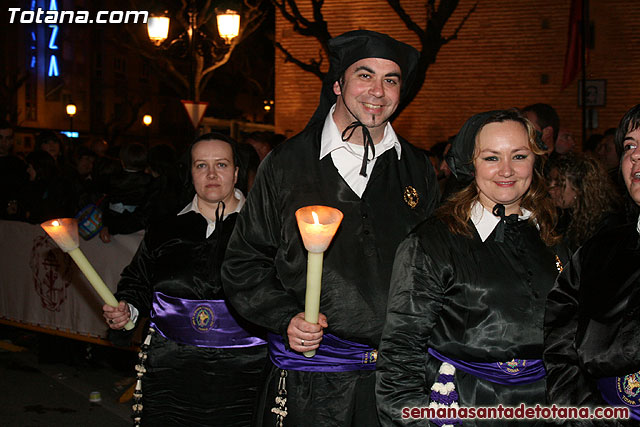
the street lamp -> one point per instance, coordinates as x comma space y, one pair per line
228, 25
158, 28
71, 111
146, 120
196, 40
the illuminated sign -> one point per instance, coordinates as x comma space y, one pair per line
34, 47
53, 60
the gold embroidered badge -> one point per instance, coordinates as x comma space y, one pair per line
370, 357
411, 197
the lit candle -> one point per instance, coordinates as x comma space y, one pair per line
65, 233
318, 225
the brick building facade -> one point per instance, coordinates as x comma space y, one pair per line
509, 53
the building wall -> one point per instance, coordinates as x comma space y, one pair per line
98, 72
507, 54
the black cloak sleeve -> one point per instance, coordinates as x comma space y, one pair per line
591, 321
567, 381
415, 301
258, 293
135, 285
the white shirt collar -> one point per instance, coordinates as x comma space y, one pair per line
638, 225
211, 225
332, 139
485, 221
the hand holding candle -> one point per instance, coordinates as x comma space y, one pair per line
318, 225
65, 233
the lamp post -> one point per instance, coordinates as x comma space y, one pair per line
146, 120
71, 111
196, 40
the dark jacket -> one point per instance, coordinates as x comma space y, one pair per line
592, 320
469, 300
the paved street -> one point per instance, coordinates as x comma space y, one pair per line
47, 381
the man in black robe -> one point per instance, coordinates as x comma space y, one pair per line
348, 157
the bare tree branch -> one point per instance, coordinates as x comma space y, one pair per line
454, 36
159, 62
408, 22
295, 17
317, 28
313, 66
430, 35
253, 18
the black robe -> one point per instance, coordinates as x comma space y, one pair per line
185, 384
264, 273
469, 300
592, 323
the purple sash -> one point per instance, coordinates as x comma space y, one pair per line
515, 372
202, 323
333, 355
622, 391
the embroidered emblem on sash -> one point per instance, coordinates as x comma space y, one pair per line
628, 388
370, 357
202, 318
411, 197
512, 367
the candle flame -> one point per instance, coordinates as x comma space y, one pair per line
316, 221
55, 223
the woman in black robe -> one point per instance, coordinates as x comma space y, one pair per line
200, 362
592, 323
585, 197
464, 320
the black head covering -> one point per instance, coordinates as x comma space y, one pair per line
460, 155
349, 48
353, 46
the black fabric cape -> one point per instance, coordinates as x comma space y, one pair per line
592, 323
469, 300
264, 273
184, 384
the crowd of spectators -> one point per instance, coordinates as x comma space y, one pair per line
60, 178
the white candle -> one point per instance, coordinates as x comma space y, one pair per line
318, 225
312, 295
65, 233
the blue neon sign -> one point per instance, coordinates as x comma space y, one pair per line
53, 60
53, 67
52, 39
